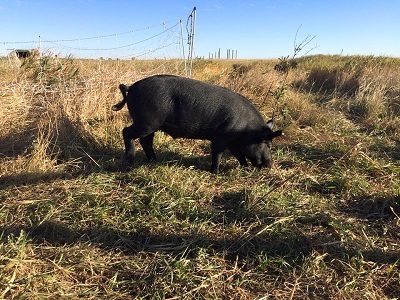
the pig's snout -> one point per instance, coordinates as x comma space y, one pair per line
262, 163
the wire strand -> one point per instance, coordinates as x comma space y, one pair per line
106, 49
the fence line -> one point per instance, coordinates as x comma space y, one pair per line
149, 40
168, 43
105, 49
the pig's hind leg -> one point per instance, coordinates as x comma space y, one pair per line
146, 136
147, 145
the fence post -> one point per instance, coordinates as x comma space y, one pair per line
40, 47
191, 45
183, 47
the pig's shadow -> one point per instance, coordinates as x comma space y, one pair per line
200, 162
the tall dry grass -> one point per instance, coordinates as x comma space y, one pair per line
366, 89
56, 110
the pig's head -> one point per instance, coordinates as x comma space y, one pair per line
258, 151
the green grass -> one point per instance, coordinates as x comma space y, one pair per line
323, 223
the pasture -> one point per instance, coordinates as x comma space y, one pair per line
323, 223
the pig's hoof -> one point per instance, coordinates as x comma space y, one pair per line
127, 164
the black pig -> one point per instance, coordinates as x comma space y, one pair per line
189, 108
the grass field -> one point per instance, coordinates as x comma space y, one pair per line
323, 223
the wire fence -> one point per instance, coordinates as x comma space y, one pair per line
162, 40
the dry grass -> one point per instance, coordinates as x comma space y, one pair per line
322, 224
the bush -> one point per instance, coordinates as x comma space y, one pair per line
48, 69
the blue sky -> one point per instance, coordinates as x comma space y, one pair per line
255, 28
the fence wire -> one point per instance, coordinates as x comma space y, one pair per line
155, 41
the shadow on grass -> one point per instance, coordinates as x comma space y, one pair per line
285, 246
94, 158
281, 253
293, 240
373, 208
57, 234
292, 246
393, 152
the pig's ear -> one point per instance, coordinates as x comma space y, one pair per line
124, 90
274, 134
270, 123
